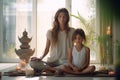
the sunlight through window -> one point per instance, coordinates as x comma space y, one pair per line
36, 16
45, 13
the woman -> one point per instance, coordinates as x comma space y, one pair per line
59, 40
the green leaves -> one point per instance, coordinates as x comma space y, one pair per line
88, 26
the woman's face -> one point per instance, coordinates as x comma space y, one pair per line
78, 39
62, 18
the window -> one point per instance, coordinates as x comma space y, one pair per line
45, 14
16, 17
36, 17
86, 17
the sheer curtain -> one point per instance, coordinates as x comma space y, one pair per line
16, 16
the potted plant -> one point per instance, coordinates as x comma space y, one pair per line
105, 48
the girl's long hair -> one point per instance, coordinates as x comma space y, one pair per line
56, 26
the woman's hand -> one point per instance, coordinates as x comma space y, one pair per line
35, 59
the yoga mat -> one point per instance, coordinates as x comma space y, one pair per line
94, 74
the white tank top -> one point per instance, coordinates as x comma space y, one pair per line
78, 56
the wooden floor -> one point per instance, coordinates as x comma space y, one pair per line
55, 78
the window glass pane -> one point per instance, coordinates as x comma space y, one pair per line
85, 11
16, 15
45, 13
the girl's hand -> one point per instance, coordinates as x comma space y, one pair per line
80, 69
75, 69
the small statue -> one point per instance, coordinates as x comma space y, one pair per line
25, 52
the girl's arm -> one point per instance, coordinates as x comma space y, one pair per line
46, 49
70, 58
87, 59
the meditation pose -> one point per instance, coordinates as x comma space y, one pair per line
59, 40
79, 55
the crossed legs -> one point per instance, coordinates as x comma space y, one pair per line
68, 69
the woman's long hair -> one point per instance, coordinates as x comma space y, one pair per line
56, 26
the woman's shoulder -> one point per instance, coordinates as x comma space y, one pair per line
49, 31
71, 28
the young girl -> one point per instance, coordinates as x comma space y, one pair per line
79, 55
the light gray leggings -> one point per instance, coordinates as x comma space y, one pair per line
39, 65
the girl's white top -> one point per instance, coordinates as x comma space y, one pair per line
79, 56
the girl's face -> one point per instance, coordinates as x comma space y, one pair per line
62, 18
78, 39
